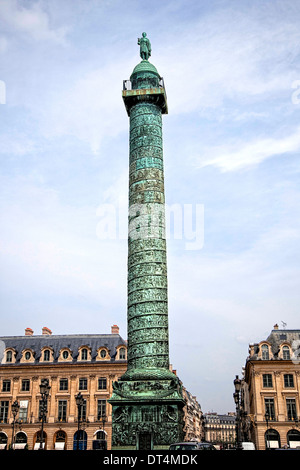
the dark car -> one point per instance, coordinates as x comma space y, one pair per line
193, 445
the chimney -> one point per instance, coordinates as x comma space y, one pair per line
28, 332
115, 330
46, 331
276, 327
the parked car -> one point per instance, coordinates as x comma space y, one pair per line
193, 445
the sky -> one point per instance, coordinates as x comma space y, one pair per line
232, 170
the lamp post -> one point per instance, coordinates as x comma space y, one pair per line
237, 386
104, 419
267, 418
79, 402
14, 409
44, 390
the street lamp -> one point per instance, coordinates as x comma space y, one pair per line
79, 402
237, 386
267, 418
103, 419
44, 391
14, 409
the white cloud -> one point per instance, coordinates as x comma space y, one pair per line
90, 109
16, 144
229, 54
3, 44
57, 246
239, 155
30, 20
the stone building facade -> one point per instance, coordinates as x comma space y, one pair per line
270, 404
72, 363
193, 418
86, 364
220, 429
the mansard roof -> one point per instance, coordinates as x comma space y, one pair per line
58, 342
276, 339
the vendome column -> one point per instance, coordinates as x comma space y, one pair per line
147, 400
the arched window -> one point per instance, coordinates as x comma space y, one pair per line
272, 439
27, 355
122, 353
265, 352
21, 438
100, 435
60, 440
80, 440
37, 444
84, 354
286, 353
46, 355
3, 440
100, 443
293, 438
65, 354
9, 356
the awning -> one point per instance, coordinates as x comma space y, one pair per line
19, 446
37, 445
294, 444
59, 445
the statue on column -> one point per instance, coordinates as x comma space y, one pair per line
145, 47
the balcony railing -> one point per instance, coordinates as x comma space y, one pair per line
292, 418
127, 84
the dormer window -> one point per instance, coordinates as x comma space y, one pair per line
122, 353
265, 352
65, 354
28, 356
103, 353
47, 355
286, 353
9, 356
84, 354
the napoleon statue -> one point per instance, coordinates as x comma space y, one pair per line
145, 47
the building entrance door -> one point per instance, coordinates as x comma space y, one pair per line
144, 441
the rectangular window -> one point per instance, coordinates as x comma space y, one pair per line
23, 411
83, 384
270, 408
6, 386
62, 410
102, 383
25, 385
267, 381
288, 380
286, 353
4, 411
9, 356
101, 409
122, 353
291, 409
63, 384
265, 353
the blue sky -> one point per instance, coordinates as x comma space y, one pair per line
231, 145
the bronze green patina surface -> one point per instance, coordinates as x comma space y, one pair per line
147, 400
